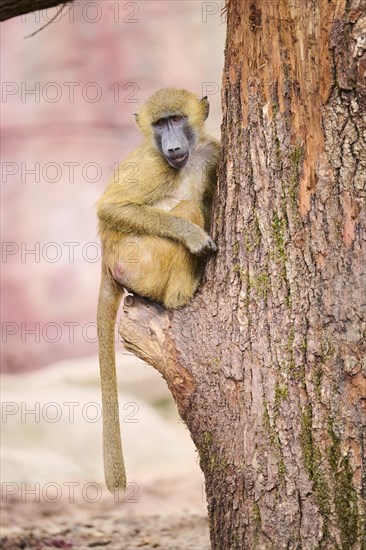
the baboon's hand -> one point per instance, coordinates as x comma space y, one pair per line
201, 244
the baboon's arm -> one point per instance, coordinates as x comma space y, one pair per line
148, 220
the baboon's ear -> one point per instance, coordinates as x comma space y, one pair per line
205, 107
136, 118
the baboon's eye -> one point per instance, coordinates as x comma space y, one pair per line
160, 122
177, 118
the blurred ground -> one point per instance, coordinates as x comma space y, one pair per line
183, 532
53, 495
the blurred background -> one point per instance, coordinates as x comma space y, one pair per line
68, 98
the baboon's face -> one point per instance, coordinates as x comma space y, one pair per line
175, 138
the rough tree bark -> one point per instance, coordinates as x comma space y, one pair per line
13, 8
266, 362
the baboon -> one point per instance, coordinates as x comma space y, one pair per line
154, 218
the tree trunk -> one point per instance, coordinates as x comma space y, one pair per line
266, 362
13, 8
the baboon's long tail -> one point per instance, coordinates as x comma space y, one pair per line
109, 299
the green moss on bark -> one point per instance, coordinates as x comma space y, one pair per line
339, 493
274, 438
345, 497
312, 461
210, 461
260, 285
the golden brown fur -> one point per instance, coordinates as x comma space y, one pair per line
153, 222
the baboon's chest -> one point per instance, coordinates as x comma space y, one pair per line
190, 187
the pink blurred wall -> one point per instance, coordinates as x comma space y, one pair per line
59, 144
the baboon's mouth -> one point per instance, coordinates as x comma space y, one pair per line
179, 159
178, 162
